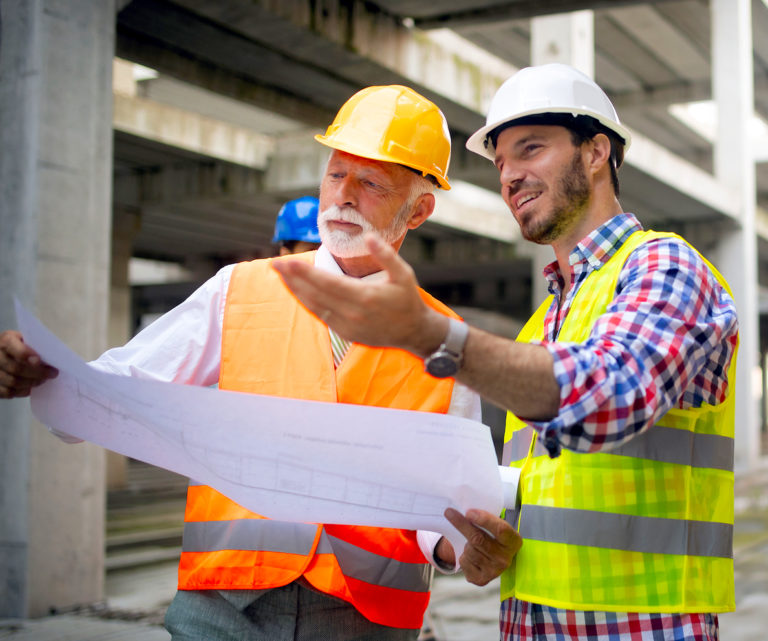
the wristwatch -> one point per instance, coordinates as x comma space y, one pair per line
447, 359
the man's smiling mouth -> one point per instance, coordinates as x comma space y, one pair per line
526, 199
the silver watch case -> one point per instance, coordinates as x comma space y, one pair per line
447, 359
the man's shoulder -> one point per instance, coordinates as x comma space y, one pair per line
437, 305
652, 241
263, 264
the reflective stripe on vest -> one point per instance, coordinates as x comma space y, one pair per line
663, 444
273, 345
298, 538
644, 527
641, 533
517, 448
249, 534
375, 569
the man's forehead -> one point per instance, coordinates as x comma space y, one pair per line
390, 168
515, 134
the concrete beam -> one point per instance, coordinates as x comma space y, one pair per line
191, 131
145, 51
296, 168
192, 182
488, 216
516, 10
685, 178
323, 53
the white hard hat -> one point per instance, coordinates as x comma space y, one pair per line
546, 89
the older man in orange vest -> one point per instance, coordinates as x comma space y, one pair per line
244, 576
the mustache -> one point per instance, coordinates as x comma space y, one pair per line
344, 214
518, 187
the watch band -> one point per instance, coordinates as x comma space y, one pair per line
456, 338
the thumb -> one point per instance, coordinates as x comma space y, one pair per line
388, 259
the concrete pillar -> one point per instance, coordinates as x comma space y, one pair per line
568, 38
55, 214
125, 225
736, 255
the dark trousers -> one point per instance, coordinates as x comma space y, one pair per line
293, 612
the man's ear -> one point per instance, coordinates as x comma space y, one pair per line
422, 209
600, 152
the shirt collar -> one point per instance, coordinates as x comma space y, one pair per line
324, 260
597, 248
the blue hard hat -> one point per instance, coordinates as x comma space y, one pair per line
297, 220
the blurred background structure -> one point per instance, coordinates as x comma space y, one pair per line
146, 143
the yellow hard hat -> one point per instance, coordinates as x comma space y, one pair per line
394, 124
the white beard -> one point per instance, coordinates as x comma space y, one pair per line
346, 244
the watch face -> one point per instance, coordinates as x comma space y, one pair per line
442, 365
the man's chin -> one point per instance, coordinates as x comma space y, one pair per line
348, 252
347, 247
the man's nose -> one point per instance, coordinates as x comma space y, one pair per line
346, 193
510, 174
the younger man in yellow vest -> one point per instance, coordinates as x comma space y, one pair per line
625, 375
242, 576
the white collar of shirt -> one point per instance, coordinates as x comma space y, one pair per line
324, 260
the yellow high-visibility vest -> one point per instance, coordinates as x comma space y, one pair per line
645, 527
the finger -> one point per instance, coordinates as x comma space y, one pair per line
460, 522
19, 360
29, 367
14, 387
490, 540
502, 531
389, 260
480, 544
13, 347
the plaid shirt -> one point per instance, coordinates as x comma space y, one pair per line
523, 621
665, 341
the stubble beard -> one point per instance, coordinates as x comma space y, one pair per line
571, 197
344, 244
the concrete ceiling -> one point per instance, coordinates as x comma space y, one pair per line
297, 62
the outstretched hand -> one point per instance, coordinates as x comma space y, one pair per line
491, 544
21, 368
387, 312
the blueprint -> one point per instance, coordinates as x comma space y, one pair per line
283, 458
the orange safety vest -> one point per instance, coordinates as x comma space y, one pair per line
272, 345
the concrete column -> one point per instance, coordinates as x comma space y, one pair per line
55, 214
736, 255
568, 38
125, 225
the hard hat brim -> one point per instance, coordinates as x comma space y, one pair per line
367, 153
476, 142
